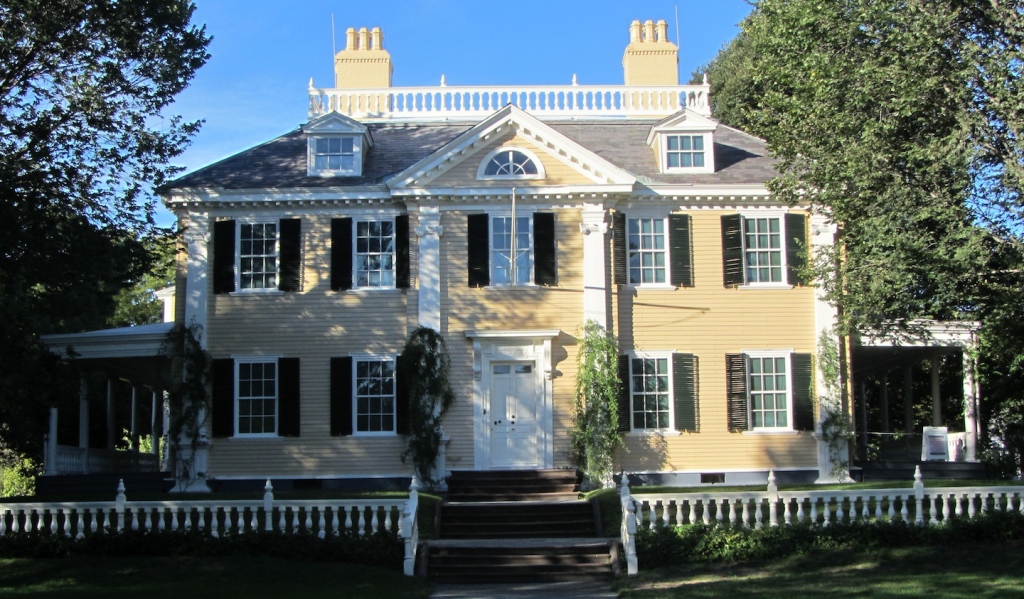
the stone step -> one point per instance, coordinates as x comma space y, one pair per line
496, 561
512, 485
517, 520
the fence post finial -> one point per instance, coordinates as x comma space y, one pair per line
918, 495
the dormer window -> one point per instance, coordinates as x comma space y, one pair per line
684, 151
336, 146
334, 154
510, 163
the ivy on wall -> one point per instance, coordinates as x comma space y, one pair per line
595, 430
423, 382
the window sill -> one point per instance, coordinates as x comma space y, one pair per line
654, 432
248, 437
764, 286
380, 435
370, 290
523, 286
654, 287
781, 432
257, 292
330, 174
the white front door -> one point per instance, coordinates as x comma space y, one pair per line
513, 415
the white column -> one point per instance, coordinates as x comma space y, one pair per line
154, 424
908, 400
884, 403
428, 276
50, 456
83, 413
970, 409
863, 417
831, 459
936, 393
165, 413
133, 424
595, 292
197, 236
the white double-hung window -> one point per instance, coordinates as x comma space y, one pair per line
258, 255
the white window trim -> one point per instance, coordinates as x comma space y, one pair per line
651, 214
357, 156
664, 432
774, 430
490, 155
378, 218
239, 360
238, 256
356, 358
709, 153
781, 215
507, 213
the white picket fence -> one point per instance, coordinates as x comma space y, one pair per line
221, 517
919, 505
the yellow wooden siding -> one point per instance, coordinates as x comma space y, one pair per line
313, 325
463, 174
710, 321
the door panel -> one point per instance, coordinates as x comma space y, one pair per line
513, 415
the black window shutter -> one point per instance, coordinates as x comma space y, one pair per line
401, 405
736, 392
625, 408
224, 256
291, 254
803, 392
478, 248
341, 396
341, 254
684, 383
402, 251
796, 248
680, 250
222, 373
619, 256
288, 397
545, 267
732, 249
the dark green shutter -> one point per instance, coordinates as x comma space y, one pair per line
619, 255
341, 396
736, 392
625, 397
222, 373
401, 405
478, 249
288, 397
684, 387
803, 392
291, 254
680, 250
402, 251
341, 254
545, 270
732, 249
224, 256
796, 248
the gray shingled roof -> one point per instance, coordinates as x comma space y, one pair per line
281, 162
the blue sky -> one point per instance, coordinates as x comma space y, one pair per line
264, 52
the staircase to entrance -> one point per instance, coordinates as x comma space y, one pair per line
517, 526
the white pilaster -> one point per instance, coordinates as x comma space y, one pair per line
970, 408
831, 457
428, 277
197, 235
936, 393
595, 293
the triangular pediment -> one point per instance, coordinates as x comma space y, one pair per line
684, 120
511, 122
335, 123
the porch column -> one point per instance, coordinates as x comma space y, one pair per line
83, 413
908, 400
165, 427
884, 402
133, 434
50, 456
111, 434
428, 277
970, 410
154, 426
863, 411
936, 399
595, 295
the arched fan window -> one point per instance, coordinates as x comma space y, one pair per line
510, 163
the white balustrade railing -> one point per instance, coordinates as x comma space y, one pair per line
216, 518
542, 101
82, 460
773, 507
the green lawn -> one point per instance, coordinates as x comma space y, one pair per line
976, 571
198, 578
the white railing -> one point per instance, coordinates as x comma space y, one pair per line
756, 508
216, 518
542, 101
83, 460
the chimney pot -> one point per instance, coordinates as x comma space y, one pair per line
364, 39
649, 32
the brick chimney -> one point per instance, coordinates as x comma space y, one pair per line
650, 59
364, 63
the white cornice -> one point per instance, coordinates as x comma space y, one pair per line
521, 191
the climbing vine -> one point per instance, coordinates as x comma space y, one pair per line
595, 431
423, 375
835, 426
188, 399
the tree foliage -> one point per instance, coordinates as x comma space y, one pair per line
137, 304
84, 139
595, 432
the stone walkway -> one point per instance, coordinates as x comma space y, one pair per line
561, 590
